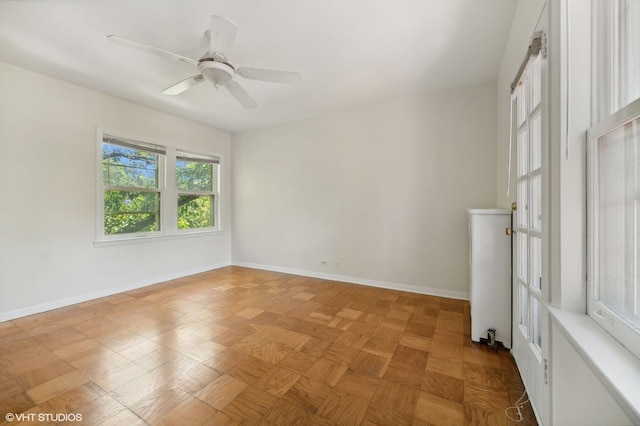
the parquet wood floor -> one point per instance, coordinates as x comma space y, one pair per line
243, 346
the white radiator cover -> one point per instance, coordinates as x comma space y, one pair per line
490, 263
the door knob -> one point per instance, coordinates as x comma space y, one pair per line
509, 231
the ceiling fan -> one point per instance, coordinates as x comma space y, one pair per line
214, 65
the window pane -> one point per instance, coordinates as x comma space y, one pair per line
522, 255
521, 101
123, 166
536, 203
523, 201
523, 148
131, 212
535, 323
195, 211
536, 263
536, 142
618, 251
534, 78
617, 62
194, 176
629, 16
523, 306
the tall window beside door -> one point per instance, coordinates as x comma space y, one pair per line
613, 197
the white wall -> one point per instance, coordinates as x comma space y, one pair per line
48, 195
579, 398
383, 189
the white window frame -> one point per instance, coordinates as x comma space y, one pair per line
607, 115
102, 188
625, 332
215, 191
609, 84
168, 193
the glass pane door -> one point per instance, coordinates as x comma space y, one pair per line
530, 329
529, 219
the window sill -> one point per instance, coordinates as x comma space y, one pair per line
615, 366
156, 238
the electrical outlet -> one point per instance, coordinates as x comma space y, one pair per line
324, 262
337, 264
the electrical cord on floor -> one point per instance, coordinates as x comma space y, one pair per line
520, 403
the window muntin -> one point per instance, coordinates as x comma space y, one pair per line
197, 186
132, 186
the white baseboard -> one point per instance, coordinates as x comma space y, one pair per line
60, 303
451, 294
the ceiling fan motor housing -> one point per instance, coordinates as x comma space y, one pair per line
217, 73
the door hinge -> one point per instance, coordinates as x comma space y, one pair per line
546, 371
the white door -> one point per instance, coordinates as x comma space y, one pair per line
530, 242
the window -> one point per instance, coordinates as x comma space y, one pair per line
196, 182
614, 224
614, 173
132, 177
134, 199
616, 58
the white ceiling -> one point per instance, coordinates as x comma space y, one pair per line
348, 51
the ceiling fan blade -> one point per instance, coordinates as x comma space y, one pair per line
241, 95
221, 36
151, 49
273, 76
184, 85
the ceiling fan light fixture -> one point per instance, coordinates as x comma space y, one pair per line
218, 73
214, 65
